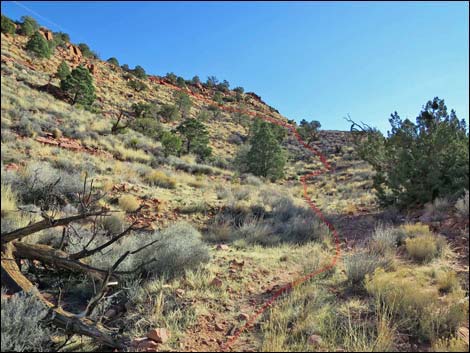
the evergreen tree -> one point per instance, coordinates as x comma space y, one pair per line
265, 157
183, 102
28, 26
309, 130
113, 61
171, 143
418, 162
38, 46
8, 26
195, 137
63, 70
79, 86
139, 72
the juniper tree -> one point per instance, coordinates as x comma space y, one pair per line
266, 156
309, 130
8, 26
28, 26
183, 102
63, 70
418, 162
79, 86
195, 137
171, 143
38, 46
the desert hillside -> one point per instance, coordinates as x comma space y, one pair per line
156, 213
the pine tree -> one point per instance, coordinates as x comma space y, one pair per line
37, 45
63, 70
265, 157
79, 86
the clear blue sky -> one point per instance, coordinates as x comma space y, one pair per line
309, 60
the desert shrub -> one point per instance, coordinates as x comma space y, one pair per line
8, 26
453, 344
37, 45
196, 207
9, 200
251, 180
137, 85
193, 168
447, 281
175, 249
129, 203
147, 126
79, 86
43, 185
418, 162
28, 26
436, 210
362, 263
425, 248
413, 230
462, 206
22, 326
160, 178
169, 112
416, 305
386, 239
113, 223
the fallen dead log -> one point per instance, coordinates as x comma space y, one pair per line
69, 322
45, 224
56, 258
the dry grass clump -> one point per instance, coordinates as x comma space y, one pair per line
437, 210
9, 200
453, 344
425, 247
412, 230
462, 206
129, 203
113, 223
362, 263
447, 281
416, 304
160, 178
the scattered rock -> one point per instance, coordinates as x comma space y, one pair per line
179, 292
314, 340
159, 335
243, 317
222, 247
216, 282
218, 327
144, 344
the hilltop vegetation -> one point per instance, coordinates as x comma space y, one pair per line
154, 213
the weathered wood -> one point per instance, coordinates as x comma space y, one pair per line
56, 258
45, 224
64, 319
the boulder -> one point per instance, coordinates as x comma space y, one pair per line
159, 335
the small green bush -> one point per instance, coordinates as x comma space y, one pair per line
360, 264
63, 70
